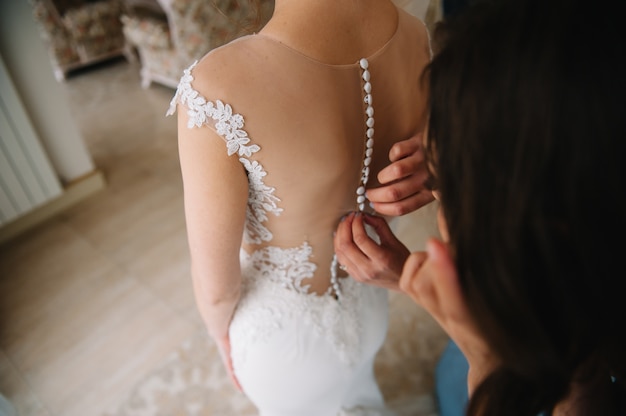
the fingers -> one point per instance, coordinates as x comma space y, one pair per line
430, 279
366, 260
370, 248
385, 205
410, 274
402, 168
352, 245
406, 147
224, 349
394, 253
381, 227
233, 378
348, 253
403, 181
385, 256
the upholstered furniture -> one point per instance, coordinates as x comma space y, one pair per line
80, 32
184, 30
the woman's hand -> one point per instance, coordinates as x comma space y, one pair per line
403, 181
368, 261
431, 280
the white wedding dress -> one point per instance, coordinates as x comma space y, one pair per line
303, 337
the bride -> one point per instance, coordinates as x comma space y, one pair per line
280, 134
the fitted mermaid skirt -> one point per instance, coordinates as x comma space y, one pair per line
298, 354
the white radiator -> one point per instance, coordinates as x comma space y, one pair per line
27, 179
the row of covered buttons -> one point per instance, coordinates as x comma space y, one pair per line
369, 144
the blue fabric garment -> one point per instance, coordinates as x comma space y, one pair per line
451, 381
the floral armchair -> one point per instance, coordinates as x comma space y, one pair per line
185, 30
80, 32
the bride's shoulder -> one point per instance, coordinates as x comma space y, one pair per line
217, 70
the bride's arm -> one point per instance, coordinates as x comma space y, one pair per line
215, 195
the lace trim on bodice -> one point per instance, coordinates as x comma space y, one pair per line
229, 126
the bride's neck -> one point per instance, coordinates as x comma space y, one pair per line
300, 11
333, 31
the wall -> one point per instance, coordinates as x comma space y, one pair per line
46, 103
26, 58
415, 7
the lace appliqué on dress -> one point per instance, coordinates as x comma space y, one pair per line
261, 198
264, 304
285, 267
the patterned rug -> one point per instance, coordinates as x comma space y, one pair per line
193, 382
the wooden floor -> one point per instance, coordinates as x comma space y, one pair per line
95, 298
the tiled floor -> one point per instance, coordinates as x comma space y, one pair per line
94, 299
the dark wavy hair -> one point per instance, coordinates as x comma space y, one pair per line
526, 140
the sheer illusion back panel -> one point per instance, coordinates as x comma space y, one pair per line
308, 119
